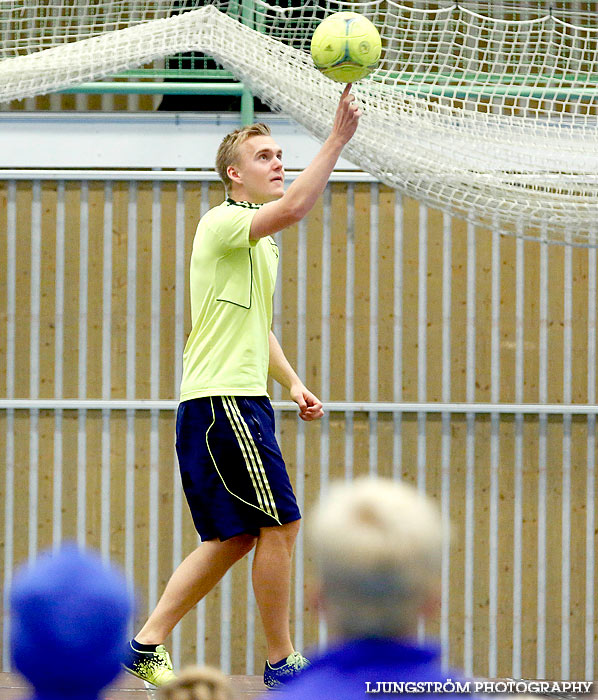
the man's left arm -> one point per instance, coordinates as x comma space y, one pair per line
310, 407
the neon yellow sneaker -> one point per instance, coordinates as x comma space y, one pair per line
153, 667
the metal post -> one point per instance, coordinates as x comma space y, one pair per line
247, 18
247, 110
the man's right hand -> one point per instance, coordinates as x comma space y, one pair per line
303, 193
347, 116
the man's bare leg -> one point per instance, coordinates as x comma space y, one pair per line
190, 582
272, 586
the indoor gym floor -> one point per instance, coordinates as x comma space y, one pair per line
127, 687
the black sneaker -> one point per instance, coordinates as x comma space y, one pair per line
276, 677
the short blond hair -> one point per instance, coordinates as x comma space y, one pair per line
198, 683
378, 549
228, 151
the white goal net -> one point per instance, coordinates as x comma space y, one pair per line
484, 110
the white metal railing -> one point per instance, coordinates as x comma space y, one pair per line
74, 175
557, 409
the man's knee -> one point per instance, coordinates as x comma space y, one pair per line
291, 529
286, 533
242, 544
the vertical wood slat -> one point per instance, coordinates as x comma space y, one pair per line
591, 471
34, 366
350, 330
445, 641
155, 292
9, 478
325, 364
106, 370
542, 465
82, 365
422, 364
179, 331
130, 390
397, 353
494, 459
373, 326
470, 457
566, 476
300, 434
518, 462
59, 362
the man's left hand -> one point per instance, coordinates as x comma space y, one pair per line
310, 406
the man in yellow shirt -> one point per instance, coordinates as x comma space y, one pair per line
232, 471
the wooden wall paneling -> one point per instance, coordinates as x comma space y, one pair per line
532, 496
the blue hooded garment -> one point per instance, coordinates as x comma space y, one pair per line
69, 615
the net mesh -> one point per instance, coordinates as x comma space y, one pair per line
487, 113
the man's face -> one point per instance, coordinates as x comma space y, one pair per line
259, 173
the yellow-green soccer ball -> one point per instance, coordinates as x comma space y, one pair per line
346, 46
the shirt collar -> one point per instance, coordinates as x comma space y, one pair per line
246, 205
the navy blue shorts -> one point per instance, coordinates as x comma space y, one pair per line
234, 477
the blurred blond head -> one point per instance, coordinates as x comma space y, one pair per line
378, 547
198, 683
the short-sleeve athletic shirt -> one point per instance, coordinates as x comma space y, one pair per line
232, 281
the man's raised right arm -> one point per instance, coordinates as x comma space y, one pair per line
301, 196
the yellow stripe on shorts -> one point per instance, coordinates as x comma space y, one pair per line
220, 473
251, 455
